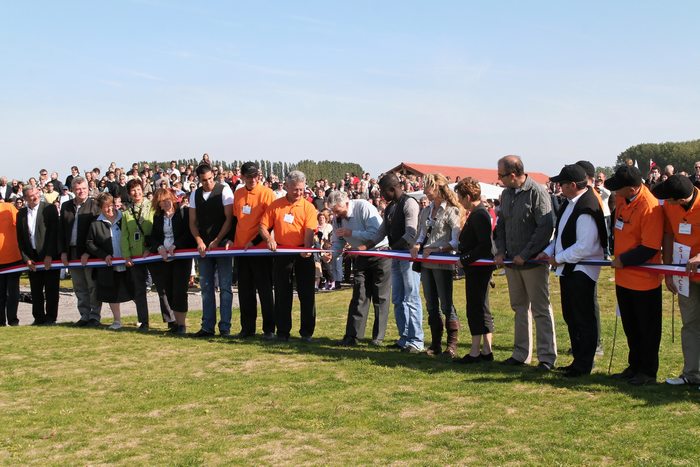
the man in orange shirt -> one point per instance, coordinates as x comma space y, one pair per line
638, 235
9, 256
293, 220
682, 213
254, 273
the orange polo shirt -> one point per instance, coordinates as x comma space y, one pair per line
642, 224
675, 216
9, 249
248, 207
290, 232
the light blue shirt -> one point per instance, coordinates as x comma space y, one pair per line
364, 221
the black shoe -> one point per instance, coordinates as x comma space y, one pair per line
376, 343
510, 361
203, 333
269, 336
573, 373
306, 339
487, 357
348, 342
14, 323
225, 334
544, 366
395, 345
282, 338
411, 349
93, 323
50, 323
627, 373
143, 327
468, 359
180, 330
640, 379
564, 369
172, 325
244, 335
37, 323
81, 323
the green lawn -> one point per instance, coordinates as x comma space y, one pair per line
77, 396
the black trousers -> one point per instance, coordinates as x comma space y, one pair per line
371, 283
255, 275
9, 297
139, 276
44, 288
578, 308
286, 269
171, 279
640, 311
479, 316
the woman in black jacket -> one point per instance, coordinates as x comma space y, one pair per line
171, 232
475, 244
104, 242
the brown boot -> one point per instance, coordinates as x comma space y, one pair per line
436, 326
452, 338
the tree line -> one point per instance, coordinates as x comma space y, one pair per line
334, 171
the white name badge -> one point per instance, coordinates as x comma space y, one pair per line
289, 218
246, 209
684, 228
619, 224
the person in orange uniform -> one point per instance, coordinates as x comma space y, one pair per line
9, 256
682, 226
254, 272
293, 221
638, 230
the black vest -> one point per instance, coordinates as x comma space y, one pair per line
396, 220
210, 213
587, 204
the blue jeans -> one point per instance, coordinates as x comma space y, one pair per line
408, 309
208, 269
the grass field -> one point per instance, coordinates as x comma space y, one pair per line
79, 396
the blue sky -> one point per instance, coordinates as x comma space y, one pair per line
375, 82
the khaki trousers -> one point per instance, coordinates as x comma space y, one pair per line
529, 298
690, 333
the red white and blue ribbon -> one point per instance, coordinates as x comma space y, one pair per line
435, 258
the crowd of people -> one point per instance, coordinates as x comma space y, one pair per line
569, 226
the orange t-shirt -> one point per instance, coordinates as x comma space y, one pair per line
248, 208
290, 221
642, 224
9, 248
675, 216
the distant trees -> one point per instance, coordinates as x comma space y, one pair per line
314, 170
681, 155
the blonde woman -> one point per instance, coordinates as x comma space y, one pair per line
438, 232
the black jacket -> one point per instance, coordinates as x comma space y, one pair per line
181, 231
88, 213
45, 234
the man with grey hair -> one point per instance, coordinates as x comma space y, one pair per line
5, 189
356, 224
293, 220
524, 228
37, 238
76, 216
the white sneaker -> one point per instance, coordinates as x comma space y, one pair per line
681, 380
115, 326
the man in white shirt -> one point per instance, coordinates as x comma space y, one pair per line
580, 236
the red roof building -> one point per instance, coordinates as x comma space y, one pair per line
482, 175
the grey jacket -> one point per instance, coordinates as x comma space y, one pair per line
525, 223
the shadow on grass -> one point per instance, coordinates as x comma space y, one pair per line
483, 373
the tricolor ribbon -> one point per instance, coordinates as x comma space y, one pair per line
436, 258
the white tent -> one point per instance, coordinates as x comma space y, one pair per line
487, 190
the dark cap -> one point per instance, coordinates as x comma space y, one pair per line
250, 169
626, 175
570, 173
588, 167
675, 187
